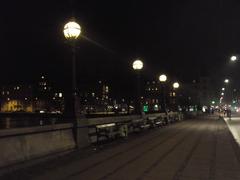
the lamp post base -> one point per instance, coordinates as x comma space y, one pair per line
80, 122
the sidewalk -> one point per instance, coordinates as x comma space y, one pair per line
191, 150
234, 126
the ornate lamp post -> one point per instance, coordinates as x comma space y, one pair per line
163, 79
175, 87
71, 32
137, 67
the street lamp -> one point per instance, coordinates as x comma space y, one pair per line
226, 81
137, 67
223, 89
176, 85
72, 31
163, 79
233, 58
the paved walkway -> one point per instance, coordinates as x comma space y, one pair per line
190, 150
234, 126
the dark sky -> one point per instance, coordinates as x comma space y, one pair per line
184, 39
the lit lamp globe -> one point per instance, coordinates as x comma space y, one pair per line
163, 78
226, 81
137, 65
72, 30
176, 85
233, 58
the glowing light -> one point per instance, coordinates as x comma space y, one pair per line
106, 125
226, 81
204, 108
72, 30
137, 64
163, 78
233, 58
223, 89
213, 102
176, 85
222, 94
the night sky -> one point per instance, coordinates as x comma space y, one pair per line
184, 39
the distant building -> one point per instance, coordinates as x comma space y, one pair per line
96, 99
153, 96
40, 97
16, 98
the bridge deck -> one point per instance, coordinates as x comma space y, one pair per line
194, 149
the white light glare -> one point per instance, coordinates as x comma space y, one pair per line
233, 58
226, 80
162, 78
72, 30
175, 85
137, 65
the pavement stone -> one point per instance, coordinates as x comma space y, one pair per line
192, 150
